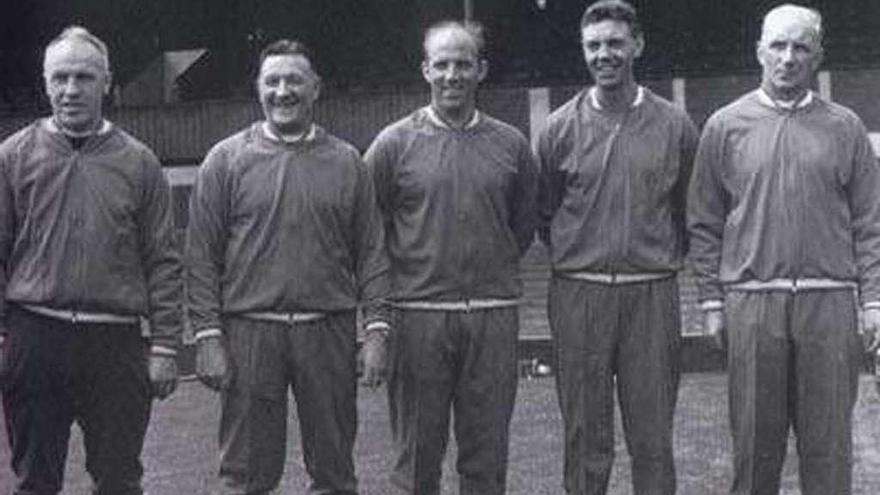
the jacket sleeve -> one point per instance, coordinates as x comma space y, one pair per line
707, 211
688, 146
551, 184
864, 202
205, 243
7, 233
161, 257
522, 203
372, 270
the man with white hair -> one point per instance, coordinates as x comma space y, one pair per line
784, 219
87, 258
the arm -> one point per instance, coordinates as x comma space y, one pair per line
688, 146
204, 251
551, 185
7, 235
522, 202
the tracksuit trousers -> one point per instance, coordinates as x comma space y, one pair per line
626, 335
56, 372
317, 360
465, 360
793, 360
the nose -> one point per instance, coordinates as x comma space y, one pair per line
283, 88
70, 86
787, 55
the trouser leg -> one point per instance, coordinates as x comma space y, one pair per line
759, 363
484, 398
324, 376
36, 400
583, 321
422, 357
647, 380
113, 401
827, 356
253, 421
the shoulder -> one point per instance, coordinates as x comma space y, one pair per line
20, 139
840, 113
503, 130
134, 145
566, 112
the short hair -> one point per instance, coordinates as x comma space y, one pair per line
287, 46
473, 29
614, 10
809, 16
79, 33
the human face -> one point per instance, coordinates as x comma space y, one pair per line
454, 70
288, 89
609, 50
789, 52
76, 78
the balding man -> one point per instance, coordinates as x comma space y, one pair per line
456, 189
86, 256
784, 218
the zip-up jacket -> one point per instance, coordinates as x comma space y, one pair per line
283, 227
613, 186
458, 206
88, 229
785, 193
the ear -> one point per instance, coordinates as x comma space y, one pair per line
318, 85
108, 82
640, 45
426, 71
483, 69
759, 53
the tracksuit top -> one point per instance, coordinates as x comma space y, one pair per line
785, 193
283, 227
613, 188
458, 206
88, 229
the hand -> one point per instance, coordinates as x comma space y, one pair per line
714, 326
163, 375
373, 355
212, 363
871, 329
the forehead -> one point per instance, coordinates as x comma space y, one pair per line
608, 28
789, 28
73, 54
450, 43
286, 64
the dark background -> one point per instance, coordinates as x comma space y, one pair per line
373, 43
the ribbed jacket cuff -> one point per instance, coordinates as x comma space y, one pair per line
206, 333
161, 350
712, 305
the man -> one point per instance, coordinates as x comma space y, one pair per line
784, 219
456, 188
615, 161
284, 239
86, 254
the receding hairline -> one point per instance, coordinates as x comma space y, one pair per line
809, 17
471, 30
79, 34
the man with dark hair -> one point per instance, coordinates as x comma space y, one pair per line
284, 240
456, 189
784, 218
87, 263
615, 162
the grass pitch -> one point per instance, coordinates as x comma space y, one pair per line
180, 455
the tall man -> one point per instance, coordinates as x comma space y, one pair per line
455, 187
284, 239
784, 218
615, 161
86, 254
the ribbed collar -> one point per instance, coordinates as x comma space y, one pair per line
638, 100
436, 120
767, 100
297, 138
53, 127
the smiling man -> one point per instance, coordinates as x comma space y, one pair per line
784, 218
87, 261
456, 189
615, 161
284, 241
